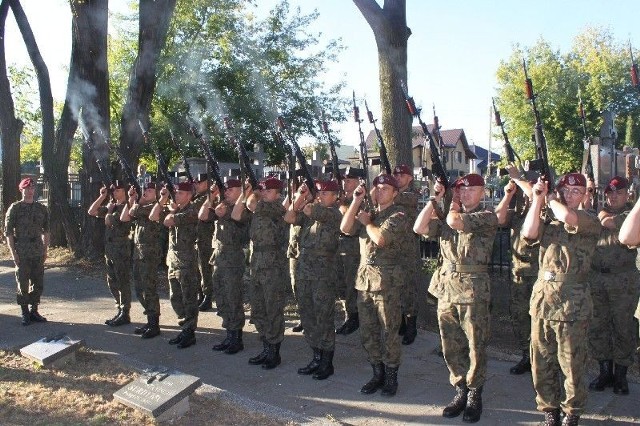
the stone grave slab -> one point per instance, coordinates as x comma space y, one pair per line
52, 351
160, 392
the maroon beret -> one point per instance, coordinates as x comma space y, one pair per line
270, 183
472, 179
232, 183
184, 186
617, 182
26, 182
403, 169
573, 179
327, 185
386, 180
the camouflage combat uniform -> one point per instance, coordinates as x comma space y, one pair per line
560, 310
268, 232
461, 284
379, 284
316, 274
614, 290
348, 260
408, 201
204, 247
26, 222
182, 260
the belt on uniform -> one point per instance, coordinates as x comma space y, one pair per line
321, 253
29, 240
464, 269
560, 277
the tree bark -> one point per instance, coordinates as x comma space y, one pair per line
389, 25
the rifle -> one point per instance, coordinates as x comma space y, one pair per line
211, 161
364, 158
334, 169
298, 154
586, 140
384, 158
131, 177
511, 157
541, 164
103, 167
243, 157
183, 154
438, 135
163, 169
635, 80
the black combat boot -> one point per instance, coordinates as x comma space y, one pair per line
222, 346
177, 339
35, 315
206, 304
552, 418
26, 315
110, 320
142, 328
235, 345
153, 328
273, 357
350, 325
620, 384
390, 381
605, 378
523, 366
457, 404
298, 328
325, 369
571, 420
122, 319
313, 365
188, 339
473, 410
412, 330
403, 326
259, 359
376, 381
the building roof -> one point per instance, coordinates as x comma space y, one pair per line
481, 154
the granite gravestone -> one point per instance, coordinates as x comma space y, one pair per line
52, 351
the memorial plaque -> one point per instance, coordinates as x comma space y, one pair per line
53, 350
157, 390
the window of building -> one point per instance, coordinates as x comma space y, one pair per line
459, 157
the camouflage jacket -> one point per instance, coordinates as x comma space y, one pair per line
182, 239
205, 229
319, 233
116, 236
408, 201
268, 233
467, 250
348, 244
147, 234
524, 253
565, 250
26, 222
229, 239
610, 255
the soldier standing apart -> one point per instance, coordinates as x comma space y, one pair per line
408, 200
229, 238
27, 231
204, 244
268, 265
182, 257
560, 301
147, 251
614, 290
461, 284
383, 236
348, 259
117, 249
524, 262
315, 274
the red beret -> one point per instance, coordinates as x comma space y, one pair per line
26, 182
617, 182
327, 185
403, 169
184, 186
270, 183
472, 179
386, 180
573, 179
232, 183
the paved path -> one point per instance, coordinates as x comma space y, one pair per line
78, 305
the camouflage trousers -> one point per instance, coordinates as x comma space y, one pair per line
519, 297
29, 280
118, 280
205, 268
229, 294
612, 329
380, 316
268, 298
559, 347
347, 269
183, 294
316, 287
145, 283
412, 274
464, 332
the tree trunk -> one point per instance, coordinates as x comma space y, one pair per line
10, 126
389, 25
154, 20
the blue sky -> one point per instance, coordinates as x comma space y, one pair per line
454, 51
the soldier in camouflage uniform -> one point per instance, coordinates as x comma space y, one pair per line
408, 200
348, 258
614, 290
146, 255
268, 232
228, 260
461, 284
524, 262
383, 239
315, 277
204, 244
561, 301
27, 231
117, 249
182, 221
